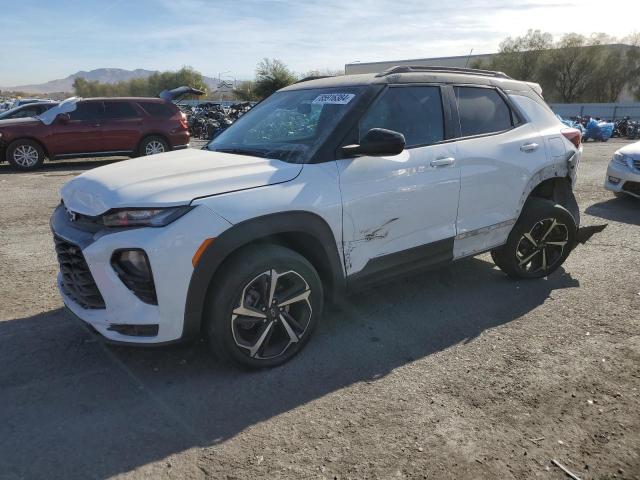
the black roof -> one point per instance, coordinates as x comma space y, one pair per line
416, 74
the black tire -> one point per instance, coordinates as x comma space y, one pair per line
25, 155
152, 145
243, 285
537, 246
497, 257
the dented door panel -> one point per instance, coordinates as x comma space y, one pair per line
391, 204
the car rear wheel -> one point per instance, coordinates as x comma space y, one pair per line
25, 155
263, 307
153, 145
540, 241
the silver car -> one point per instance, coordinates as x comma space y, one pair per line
623, 173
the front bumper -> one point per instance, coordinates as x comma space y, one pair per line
629, 179
170, 251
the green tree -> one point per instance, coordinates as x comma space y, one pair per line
520, 57
633, 63
272, 75
570, 68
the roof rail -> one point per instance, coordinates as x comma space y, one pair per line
313, 77
424, 68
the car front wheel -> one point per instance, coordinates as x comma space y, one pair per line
540, 241
25, 155
263, 306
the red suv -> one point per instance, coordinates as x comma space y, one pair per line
96, 127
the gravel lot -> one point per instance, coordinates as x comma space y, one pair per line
455, 373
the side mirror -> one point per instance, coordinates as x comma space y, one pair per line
64, 118
378, 142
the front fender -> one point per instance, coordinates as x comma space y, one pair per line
248, 232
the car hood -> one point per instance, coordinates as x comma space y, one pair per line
170, 179
632, 150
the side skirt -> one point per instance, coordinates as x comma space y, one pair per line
481, 240
398, 264
113, 153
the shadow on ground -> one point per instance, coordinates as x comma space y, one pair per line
624, 209
71, 407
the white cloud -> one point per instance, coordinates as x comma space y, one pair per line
234, 36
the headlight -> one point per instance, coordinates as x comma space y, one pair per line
143, 217
622, 159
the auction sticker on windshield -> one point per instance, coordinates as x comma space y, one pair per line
334, 98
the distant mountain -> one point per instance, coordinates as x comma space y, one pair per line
104, 75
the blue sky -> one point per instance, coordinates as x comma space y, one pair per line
48, 39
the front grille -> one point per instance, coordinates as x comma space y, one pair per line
636, 164
77, 281
632, 187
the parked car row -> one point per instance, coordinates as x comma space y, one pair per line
623, 172
93, 127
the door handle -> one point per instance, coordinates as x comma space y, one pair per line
442, 161
95, 125
529, 147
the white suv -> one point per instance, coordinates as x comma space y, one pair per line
327, 185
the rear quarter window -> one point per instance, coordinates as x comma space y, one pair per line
158, 110
482, 111
117, 110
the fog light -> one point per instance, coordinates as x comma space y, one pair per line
614, 179
133, 268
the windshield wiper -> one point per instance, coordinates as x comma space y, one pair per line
241, 151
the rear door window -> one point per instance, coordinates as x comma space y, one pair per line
119, 110
416, 112
159, 110
482, 111
87, 111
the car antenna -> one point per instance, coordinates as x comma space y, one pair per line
468, 57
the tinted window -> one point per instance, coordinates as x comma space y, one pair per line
156, 109
482, 110
88, 111
416, 112
119, 110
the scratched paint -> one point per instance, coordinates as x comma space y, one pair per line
377, 233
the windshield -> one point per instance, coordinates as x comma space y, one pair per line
69, 105
289, 125
8, 113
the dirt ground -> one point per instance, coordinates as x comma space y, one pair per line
457, 373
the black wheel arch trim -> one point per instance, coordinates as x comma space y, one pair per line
245, 233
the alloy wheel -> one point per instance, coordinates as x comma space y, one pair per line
543, 246
25, 156
273, 313
153, 147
